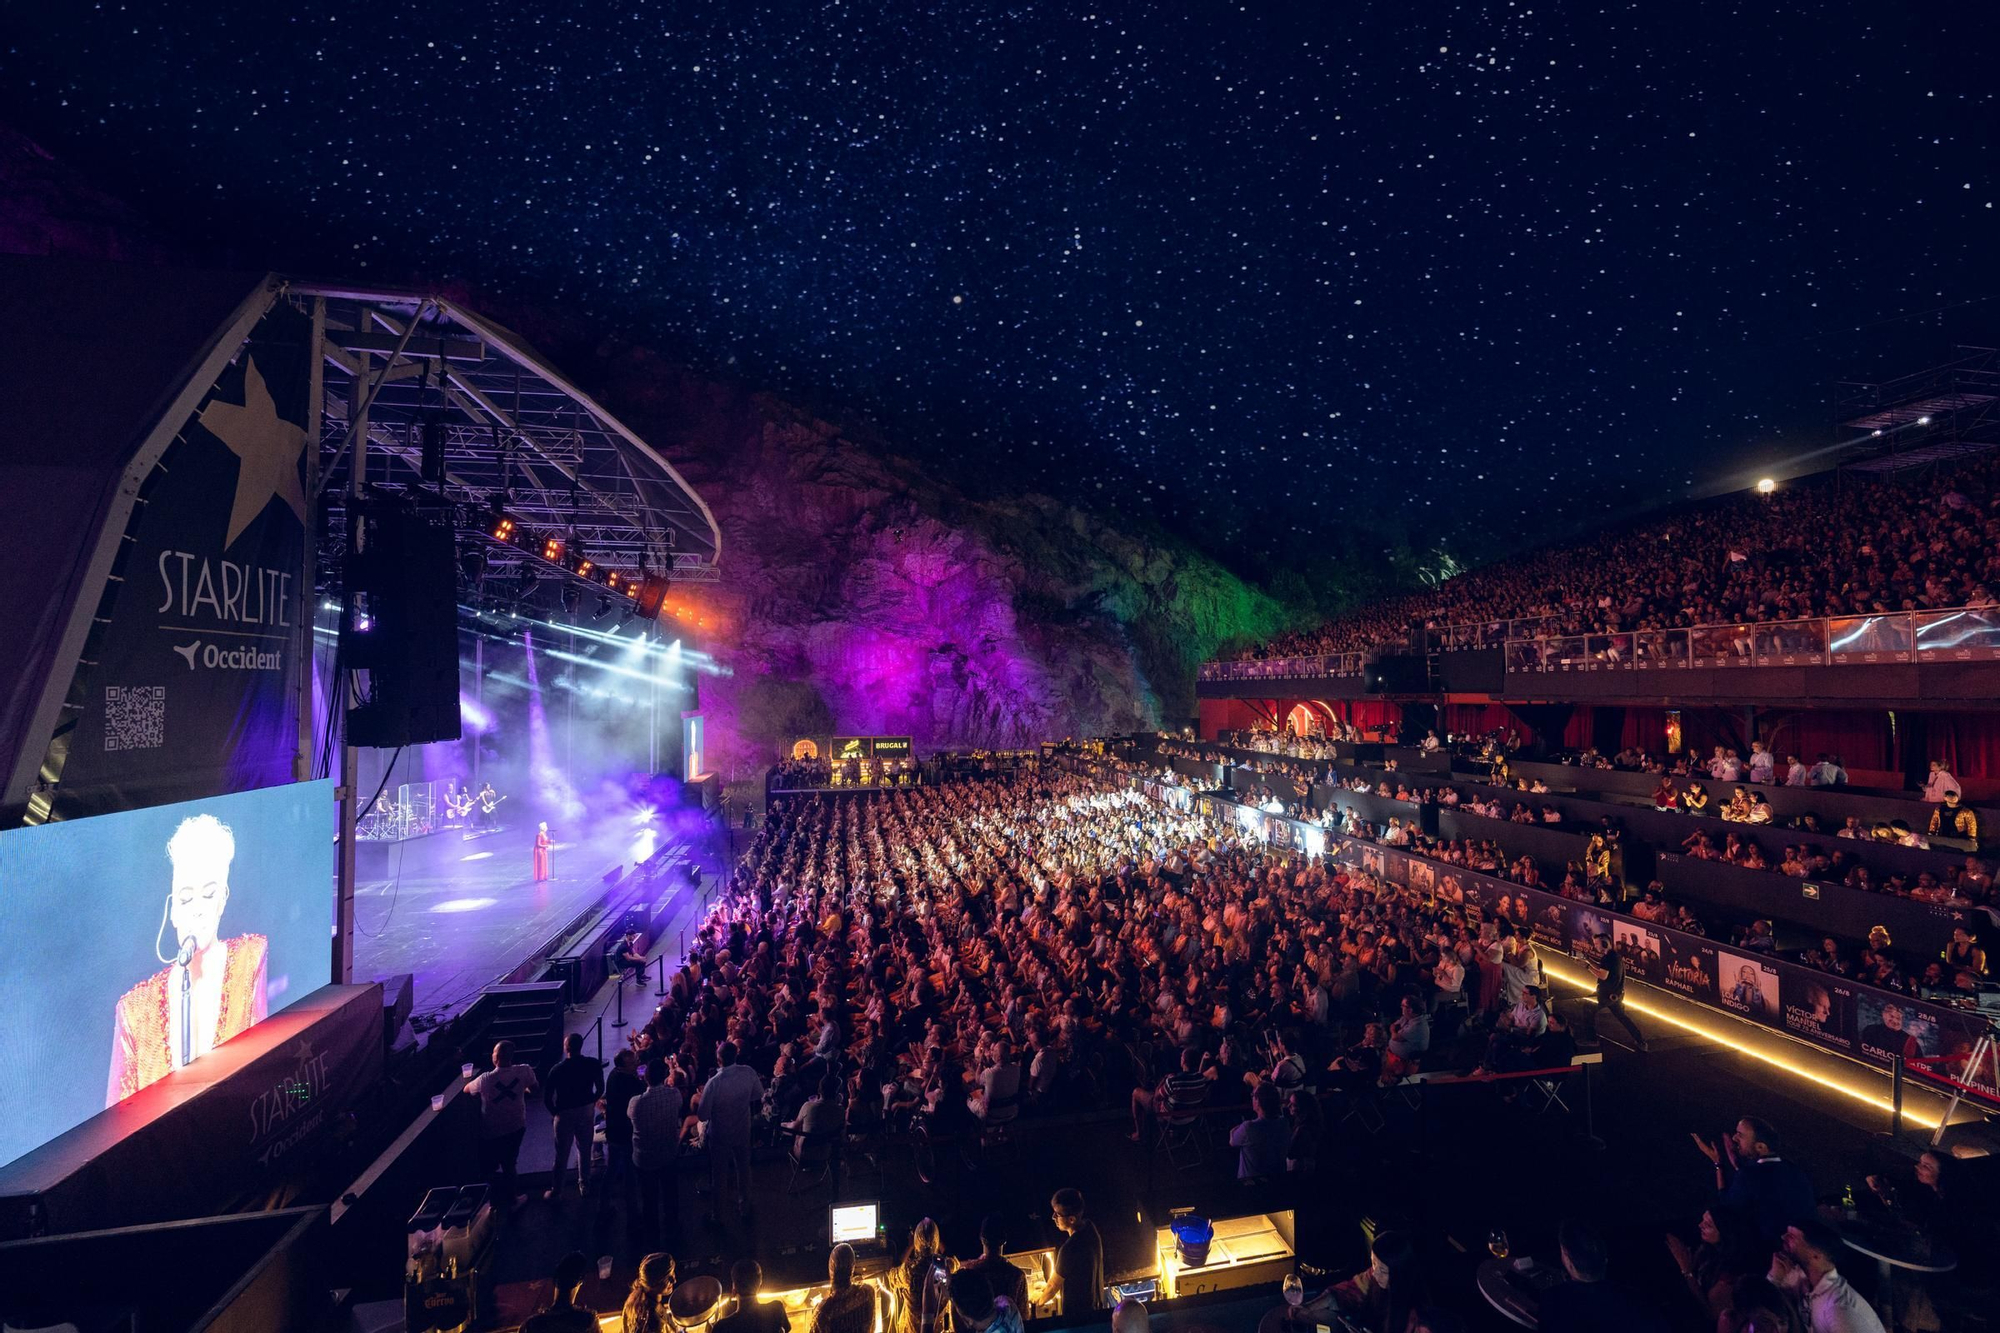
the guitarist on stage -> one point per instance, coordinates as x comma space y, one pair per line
489, 803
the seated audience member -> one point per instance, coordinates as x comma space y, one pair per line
1183, 1091
1261, 1140
1727, 1252
1307, 1127
1806, 1268
1381, 1297
1770, 1191
1361, 1065
1007, 1281
1130, 1316
975, 1309
1409, 1038
563, 1314
752, 1315
1587, 1302
1755, 1306
849, 1306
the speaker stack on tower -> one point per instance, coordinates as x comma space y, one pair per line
399, 620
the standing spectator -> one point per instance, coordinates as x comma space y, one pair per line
571, 1096
503, 1093
563, 1314
1827, 772
1609, 969
1773, 1192
849, 1306
1940, 783
655, 1117
621, 1085
920, 1282
1078, 1284
1795, 772
727, 1100
752, 1315
1007, 1280
1763, 764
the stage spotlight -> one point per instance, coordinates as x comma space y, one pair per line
569, 596
472, 567
528, 582
1923, 421
603, 608
1765, 485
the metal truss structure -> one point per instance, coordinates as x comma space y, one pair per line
402, 371
1933, 416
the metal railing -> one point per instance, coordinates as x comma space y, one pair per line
1962, 634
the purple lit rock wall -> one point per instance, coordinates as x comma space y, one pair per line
860, 594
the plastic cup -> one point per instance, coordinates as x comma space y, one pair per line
604, 1268
465, 1070
437, 1102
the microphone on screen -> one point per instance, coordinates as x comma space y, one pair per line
186, 954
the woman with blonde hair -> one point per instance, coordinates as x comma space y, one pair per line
920, 1282
646, 1303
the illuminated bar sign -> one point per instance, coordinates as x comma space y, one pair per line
892, 747
851, 747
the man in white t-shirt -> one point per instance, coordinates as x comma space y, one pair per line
503, 1093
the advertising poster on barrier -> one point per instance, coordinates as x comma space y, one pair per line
1747, 986
1888, 1028
1688, 967
1640, 946
1819, 1007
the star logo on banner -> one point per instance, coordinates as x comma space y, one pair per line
266, 446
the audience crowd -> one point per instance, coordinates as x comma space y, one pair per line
1828, 546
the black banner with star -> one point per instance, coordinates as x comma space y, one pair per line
188, 685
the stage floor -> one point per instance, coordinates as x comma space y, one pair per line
459, 913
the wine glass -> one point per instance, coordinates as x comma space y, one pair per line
1295, 1290
1496, 1241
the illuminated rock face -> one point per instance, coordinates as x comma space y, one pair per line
862, 595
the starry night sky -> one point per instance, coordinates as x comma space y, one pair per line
1249, 271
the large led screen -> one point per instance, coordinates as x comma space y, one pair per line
134, 943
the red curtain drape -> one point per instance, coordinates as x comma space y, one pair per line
1860, 738
1969, 744
1646, 728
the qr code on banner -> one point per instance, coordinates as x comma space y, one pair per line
135, 717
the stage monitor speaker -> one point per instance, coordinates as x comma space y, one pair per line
409, 575
1395, 673
398, 998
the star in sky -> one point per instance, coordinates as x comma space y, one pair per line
267, 447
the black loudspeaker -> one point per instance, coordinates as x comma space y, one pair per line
1395, 673
398, 996
404, 581
1473, 671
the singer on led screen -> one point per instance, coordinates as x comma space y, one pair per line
212, 989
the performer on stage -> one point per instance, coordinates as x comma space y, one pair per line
489, 806
210, 991
543, 846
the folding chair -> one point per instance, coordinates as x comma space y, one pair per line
1183, 1136
1545, 1092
